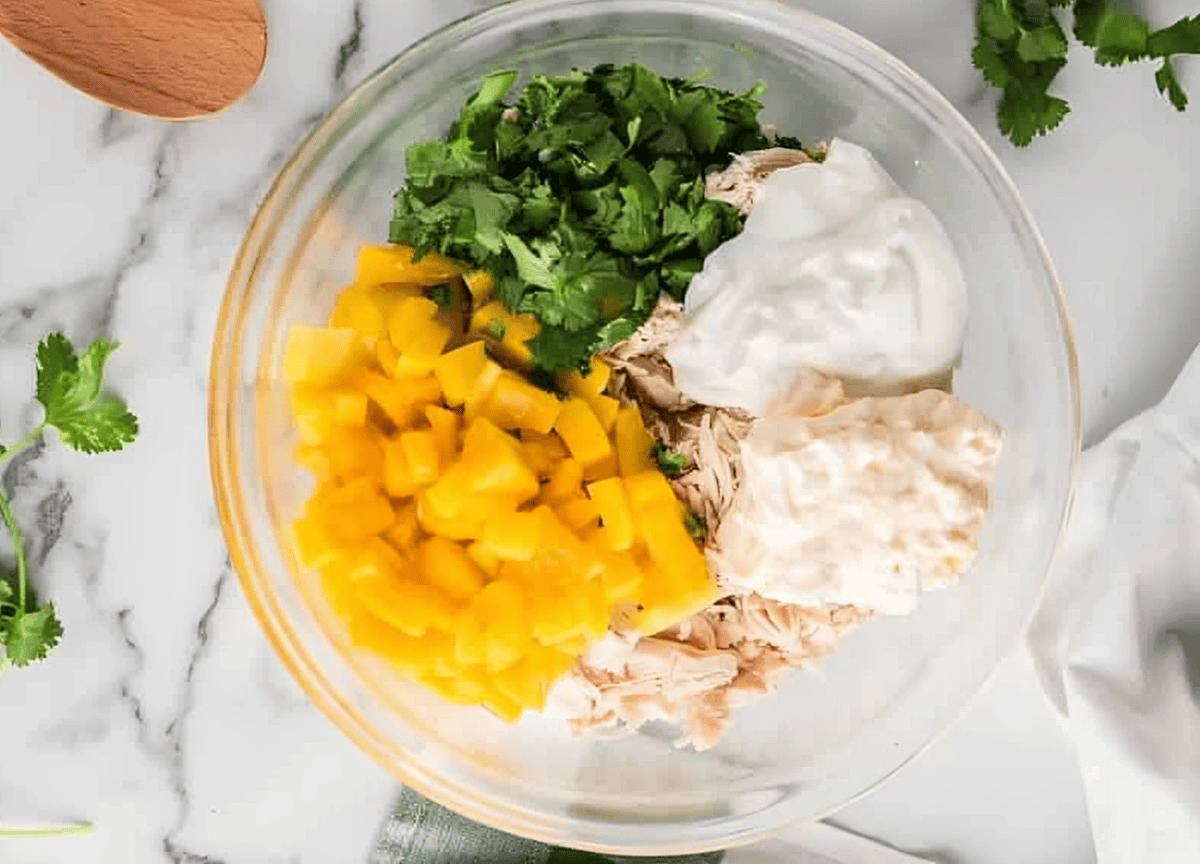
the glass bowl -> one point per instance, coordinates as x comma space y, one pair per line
827, 735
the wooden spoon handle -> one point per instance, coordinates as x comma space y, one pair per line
175, 59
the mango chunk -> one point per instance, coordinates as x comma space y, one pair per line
320, 355
493, 462
592, 384
459, 370
635, 444
354, 512
421, 453
446, 565
409, 606
382, 264
514, 403
512, 536
615, 512
582, 432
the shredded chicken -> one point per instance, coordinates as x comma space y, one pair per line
724, 657
740, 183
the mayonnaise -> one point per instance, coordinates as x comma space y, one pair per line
837, 270
868, 505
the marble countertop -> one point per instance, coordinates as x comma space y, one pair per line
165, 718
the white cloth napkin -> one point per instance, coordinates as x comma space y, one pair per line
1117, 639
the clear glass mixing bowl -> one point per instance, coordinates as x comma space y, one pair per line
828, 735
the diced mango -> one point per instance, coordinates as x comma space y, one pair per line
455, 528
354, 453
483, 556
615, 512
314, 459
407, 654
398, 477
403, 400
493, 462
477, 399
592, 384
606, 467
514, 403
622, 579
542, 453
354, 512
605, 408
320, 355
364, 307
635, 444
444, 425
582, 432
480, 283
421, 452
459, 370
461, 689
508, 331
577, 514
313, 542
667, 540
512, 536
406, 530
501, 705
411, 607
384, 264
445, 564
564, 484
647, 489
416, 333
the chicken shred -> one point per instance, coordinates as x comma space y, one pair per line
741, 182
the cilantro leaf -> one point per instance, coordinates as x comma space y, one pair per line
672, 464
30, 636
1168, 85
1021, 46
68, 386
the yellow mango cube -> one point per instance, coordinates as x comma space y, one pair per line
405, 653
320, 356
406, 530
314, 459
421, 452
634, 443
445, 564
514, 403
592, 384
403, 400
512, 536
458, 372
444, 425
501, 705
647, 489
578, 514
605, 408
493, 462
411, 607
565, 483
313, 543
398, 477
622, 579
480, 284
484, 558
615, 512
354, 512
582, 432
378, 265
435, 523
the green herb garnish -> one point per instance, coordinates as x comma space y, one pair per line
584, 199
1022, 46
696, 526
69, 387
495, 329
440, 294
671, 463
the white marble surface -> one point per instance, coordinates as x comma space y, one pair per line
164, 716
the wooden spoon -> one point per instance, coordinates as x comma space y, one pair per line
173, 59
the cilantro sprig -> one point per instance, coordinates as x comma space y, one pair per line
1022, 45
584, 198
70, 390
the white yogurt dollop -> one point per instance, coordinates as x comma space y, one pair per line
836, 270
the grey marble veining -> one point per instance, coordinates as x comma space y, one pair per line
164, 717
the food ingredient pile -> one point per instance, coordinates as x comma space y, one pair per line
642, 409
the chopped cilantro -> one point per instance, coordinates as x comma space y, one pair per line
495, 329
584, 199
696, 526
440, 294
672, 464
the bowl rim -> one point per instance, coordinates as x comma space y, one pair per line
226, 465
